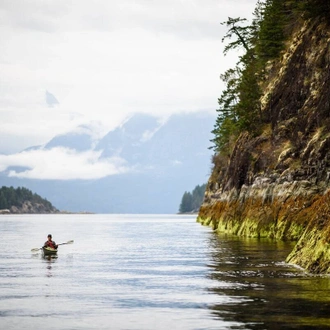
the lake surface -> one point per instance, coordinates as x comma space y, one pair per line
152, 272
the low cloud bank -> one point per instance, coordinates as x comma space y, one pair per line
61, 164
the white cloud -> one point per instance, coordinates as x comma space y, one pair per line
104, 60
176, 162
61, 164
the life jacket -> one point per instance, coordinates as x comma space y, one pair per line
51, 244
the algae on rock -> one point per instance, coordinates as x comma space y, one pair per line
276, 183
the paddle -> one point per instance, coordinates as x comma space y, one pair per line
37, 249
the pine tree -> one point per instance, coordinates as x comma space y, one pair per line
191, 202
239, 104
16, 197
198, 196
271, 32
186, 203
3, 201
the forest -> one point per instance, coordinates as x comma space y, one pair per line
9, 196
191, 201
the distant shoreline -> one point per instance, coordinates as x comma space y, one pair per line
8, 212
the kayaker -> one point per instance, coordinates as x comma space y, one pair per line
50, 243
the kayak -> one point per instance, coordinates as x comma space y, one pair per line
48, 251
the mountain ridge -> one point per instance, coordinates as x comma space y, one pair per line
163, 158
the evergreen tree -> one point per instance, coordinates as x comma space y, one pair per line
239, 104
11, 196
271, 30
191, 202
226, 123
186, 203
198, 196
16, 197
242, 34
3, 201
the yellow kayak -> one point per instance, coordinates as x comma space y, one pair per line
48, 251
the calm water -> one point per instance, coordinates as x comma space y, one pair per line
150, 272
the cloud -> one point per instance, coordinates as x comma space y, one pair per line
104, 60
185, 19
176, 162
61, 164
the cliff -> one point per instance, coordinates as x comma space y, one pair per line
29, 207
276, 184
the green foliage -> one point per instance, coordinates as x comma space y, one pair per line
186, 203
242, 34
226, 123
191, 202
10, 196
271, 34
239, 104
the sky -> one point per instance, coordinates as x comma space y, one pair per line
64, 64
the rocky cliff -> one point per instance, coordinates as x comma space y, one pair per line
29, 207
277, 184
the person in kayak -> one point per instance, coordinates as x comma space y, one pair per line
50, 243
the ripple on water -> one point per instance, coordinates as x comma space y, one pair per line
133, 273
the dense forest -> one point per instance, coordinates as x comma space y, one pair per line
262, 41
191, 201
10, 197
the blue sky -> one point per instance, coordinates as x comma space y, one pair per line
64, 64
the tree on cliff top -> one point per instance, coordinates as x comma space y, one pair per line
239, 104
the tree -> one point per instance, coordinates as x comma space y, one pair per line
198, 196
16, 197
191, 202
242, 34
239, 107
3, 201
239, 104
226, 123
271, 29
186, 203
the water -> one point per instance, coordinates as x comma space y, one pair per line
144, 272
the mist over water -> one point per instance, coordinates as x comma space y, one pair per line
150, 272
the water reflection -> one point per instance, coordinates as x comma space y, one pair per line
50, 259
262, 291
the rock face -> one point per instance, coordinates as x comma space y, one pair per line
32, 208
277, 184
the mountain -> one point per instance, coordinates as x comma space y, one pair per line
79, 140
164, 158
